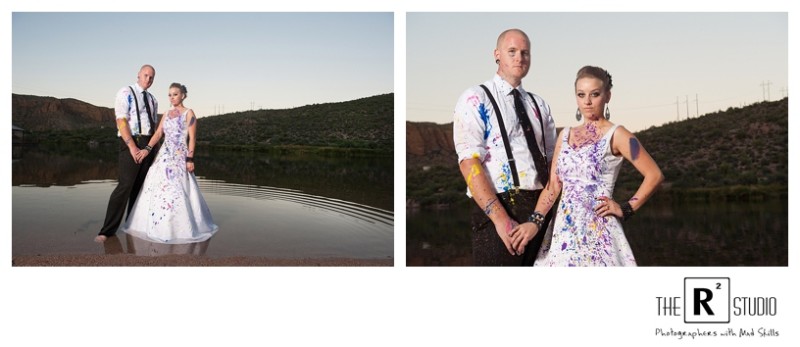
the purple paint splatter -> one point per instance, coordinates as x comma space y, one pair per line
634, 143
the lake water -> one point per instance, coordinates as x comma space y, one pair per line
660, 234
268, 205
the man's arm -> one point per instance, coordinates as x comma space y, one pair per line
121, 107
125, 134
483, 193
470, 130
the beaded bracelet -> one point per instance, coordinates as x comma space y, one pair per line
148, 148
627, 210
190, 159
537, 218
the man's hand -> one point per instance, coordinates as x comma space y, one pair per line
504, 231
135, 154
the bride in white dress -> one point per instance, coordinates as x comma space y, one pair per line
170, 208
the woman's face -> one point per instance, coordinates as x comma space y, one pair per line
591, 97
175, 96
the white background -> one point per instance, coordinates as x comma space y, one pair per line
371, 306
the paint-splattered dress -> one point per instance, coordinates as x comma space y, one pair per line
170, 208
578, 237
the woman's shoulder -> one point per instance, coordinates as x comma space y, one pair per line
619, 129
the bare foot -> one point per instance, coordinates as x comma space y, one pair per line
100, 238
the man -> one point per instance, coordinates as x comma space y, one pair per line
505, 190
137, 118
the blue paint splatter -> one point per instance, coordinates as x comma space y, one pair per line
634, 143
485, 118
507, 174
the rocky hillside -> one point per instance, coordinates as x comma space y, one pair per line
429, 144
362, 124
37, 113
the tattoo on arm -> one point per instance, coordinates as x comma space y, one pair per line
191, 121
489, 207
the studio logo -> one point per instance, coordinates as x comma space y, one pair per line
707, 299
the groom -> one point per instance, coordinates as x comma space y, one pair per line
136, 112
505, 164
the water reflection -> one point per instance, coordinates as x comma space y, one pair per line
59, 201
661, 234
142, 247
365, 180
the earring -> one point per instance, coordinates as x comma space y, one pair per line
578, 114
608, 113
497, 61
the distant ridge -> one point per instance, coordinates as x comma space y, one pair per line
35, 113
361, 123
365, 123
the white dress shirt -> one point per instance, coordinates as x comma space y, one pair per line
476, 134
125, 107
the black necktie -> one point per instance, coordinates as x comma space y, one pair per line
149, 112
530, 137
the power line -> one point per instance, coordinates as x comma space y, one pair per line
767, 84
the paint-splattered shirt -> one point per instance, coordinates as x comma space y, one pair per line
125, 107
476, 133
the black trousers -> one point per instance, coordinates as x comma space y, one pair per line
487, 247
131, 178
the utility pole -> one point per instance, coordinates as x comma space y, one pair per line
687, 107
678, 106
765, 84
696, 106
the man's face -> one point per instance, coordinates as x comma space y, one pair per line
514, 54
145, 77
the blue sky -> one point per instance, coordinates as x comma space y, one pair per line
718, 59
228, 61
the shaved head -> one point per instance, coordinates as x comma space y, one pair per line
503, 36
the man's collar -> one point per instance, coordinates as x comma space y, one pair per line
137, 87
504, 87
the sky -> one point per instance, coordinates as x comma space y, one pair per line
715, 60
228, 61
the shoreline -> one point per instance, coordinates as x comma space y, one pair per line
60, 260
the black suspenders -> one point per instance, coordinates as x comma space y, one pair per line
511, 162
138, 113
138, 116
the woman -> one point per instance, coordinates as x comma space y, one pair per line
588, 225
170, 208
